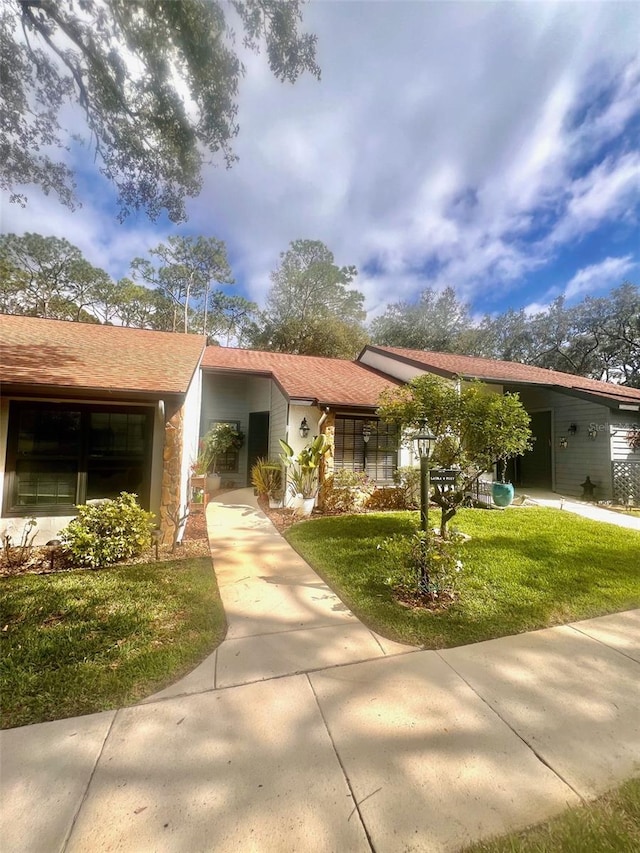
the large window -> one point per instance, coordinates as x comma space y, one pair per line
60, 455
378, 456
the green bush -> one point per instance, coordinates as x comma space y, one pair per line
108, 532
346, 491
407, 479
422, 563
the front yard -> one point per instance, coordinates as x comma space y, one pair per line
524, 568
83, 641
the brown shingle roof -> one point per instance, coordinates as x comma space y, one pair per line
328, 381
509, 372
83, 355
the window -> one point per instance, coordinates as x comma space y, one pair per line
60, 455
227, 462
378, 457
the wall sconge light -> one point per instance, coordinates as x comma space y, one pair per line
592, 433
366, 432
564, 443
304, 428
572, 429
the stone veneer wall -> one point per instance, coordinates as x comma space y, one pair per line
170, 506
327, 465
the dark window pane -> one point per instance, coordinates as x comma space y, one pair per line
39, 483
43, 431
106, 480
117, 434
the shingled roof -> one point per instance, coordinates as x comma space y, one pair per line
508, 372
63, 354
325, 381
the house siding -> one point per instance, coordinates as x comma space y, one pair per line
279, 412
232, 398
583, 457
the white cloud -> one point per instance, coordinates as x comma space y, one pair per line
599, 277
443, 142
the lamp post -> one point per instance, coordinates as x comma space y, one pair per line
424, 440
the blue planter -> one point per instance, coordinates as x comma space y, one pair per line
502, 493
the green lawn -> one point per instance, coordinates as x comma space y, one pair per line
524, 568
610, 824
77, 642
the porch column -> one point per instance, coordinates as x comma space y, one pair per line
170, 501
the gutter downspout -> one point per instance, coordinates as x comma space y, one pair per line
323, 418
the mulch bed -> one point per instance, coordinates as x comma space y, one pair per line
195, 543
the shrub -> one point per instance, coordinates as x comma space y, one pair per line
422, 563
266, 477
108, 532
407, 480
387, 497
346, 491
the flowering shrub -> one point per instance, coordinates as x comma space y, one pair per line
108, 532
346, 491
423, 563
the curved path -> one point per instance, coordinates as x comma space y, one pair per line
305, 732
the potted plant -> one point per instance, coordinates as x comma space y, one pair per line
304, 470
266, 478
220, 439
502, 492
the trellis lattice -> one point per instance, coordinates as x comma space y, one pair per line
626, 482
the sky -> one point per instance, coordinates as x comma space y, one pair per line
491, 147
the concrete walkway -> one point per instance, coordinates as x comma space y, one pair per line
306, 732
586, 510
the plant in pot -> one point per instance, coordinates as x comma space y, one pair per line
266, 478
502, 492
304, 472
199, 469
220, 439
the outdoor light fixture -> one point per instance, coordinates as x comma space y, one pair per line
572, 429
593, 433
424, 440
366, 432
563, 442
304, 428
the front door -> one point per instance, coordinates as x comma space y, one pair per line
534, 468
257, 440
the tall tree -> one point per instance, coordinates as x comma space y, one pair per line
157, 81
187, 267
48, 277
310, 308
438, 321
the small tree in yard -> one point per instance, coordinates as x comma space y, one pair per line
475, 430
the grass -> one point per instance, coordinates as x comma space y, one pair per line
78, 642
524, 569
610, 824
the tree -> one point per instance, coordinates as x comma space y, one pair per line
437, 322
157, 82
474, 428
310, 309
185, 272
48, 277
229, 319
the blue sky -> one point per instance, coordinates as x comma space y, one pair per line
492, 147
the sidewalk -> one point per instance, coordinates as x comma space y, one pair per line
586, 510
319, 750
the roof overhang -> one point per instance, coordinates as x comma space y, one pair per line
108, 395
